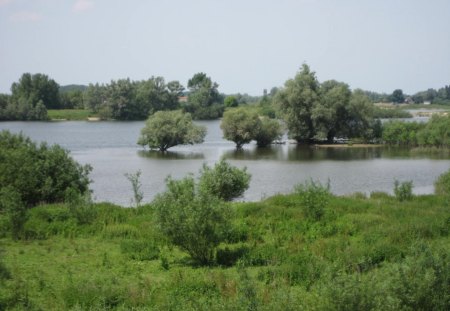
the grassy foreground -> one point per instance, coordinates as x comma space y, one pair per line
364, 254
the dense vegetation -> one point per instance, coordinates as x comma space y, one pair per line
360, 254
434, 133
316, 111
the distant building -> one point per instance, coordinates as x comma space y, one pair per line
427, 102
182, 99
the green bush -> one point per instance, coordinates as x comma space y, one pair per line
442, 184
39, 173
403, 191
314, 198
224, 181
193, 220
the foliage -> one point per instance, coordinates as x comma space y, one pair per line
442, 184
204, 100
401, 133
36, 88
314, 111
223, 180
296, 102
132, 100
195, 221
230, 102
403, 191
39, 173
268, 131
166, 129
240, 126
363, 254
314, 198
436, 132
11, 203
136, 184
397, 96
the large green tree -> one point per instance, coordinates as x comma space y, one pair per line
296, 102
166, 129
35, 88
204, 101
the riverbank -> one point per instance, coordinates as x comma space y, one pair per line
376, 253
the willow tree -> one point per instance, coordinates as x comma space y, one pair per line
166, 129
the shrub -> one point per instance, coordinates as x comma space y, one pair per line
224, 181
403, 191
314, 198
442, 184
193, 220
39, 173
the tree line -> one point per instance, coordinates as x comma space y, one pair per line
121, 99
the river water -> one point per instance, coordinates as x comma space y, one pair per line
111, 149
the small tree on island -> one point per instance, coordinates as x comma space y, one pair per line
166, 129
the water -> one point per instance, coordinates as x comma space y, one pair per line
111, 149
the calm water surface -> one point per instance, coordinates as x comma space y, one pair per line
111, 149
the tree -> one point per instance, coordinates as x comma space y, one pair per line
39, 173
166, 129
35, 88
240, 126
268, 131
296, 102
224, 181
231, 101
196, 221
331, 117
203, 98
397, 96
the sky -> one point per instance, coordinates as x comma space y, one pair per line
245, 46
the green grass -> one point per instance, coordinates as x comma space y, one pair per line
363, 253
419, 106
69, 114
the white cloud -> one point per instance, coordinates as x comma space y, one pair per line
82, 5
25, 16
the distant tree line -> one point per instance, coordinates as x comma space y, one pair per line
440, 96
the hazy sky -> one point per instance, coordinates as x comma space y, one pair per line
244, 45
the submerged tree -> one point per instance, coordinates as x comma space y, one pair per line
166, 129
240, 126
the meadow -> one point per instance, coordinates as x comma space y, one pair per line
363, 253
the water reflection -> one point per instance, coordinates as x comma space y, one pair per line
171, 155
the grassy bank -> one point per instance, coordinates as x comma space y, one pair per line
364, 253
69, 114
